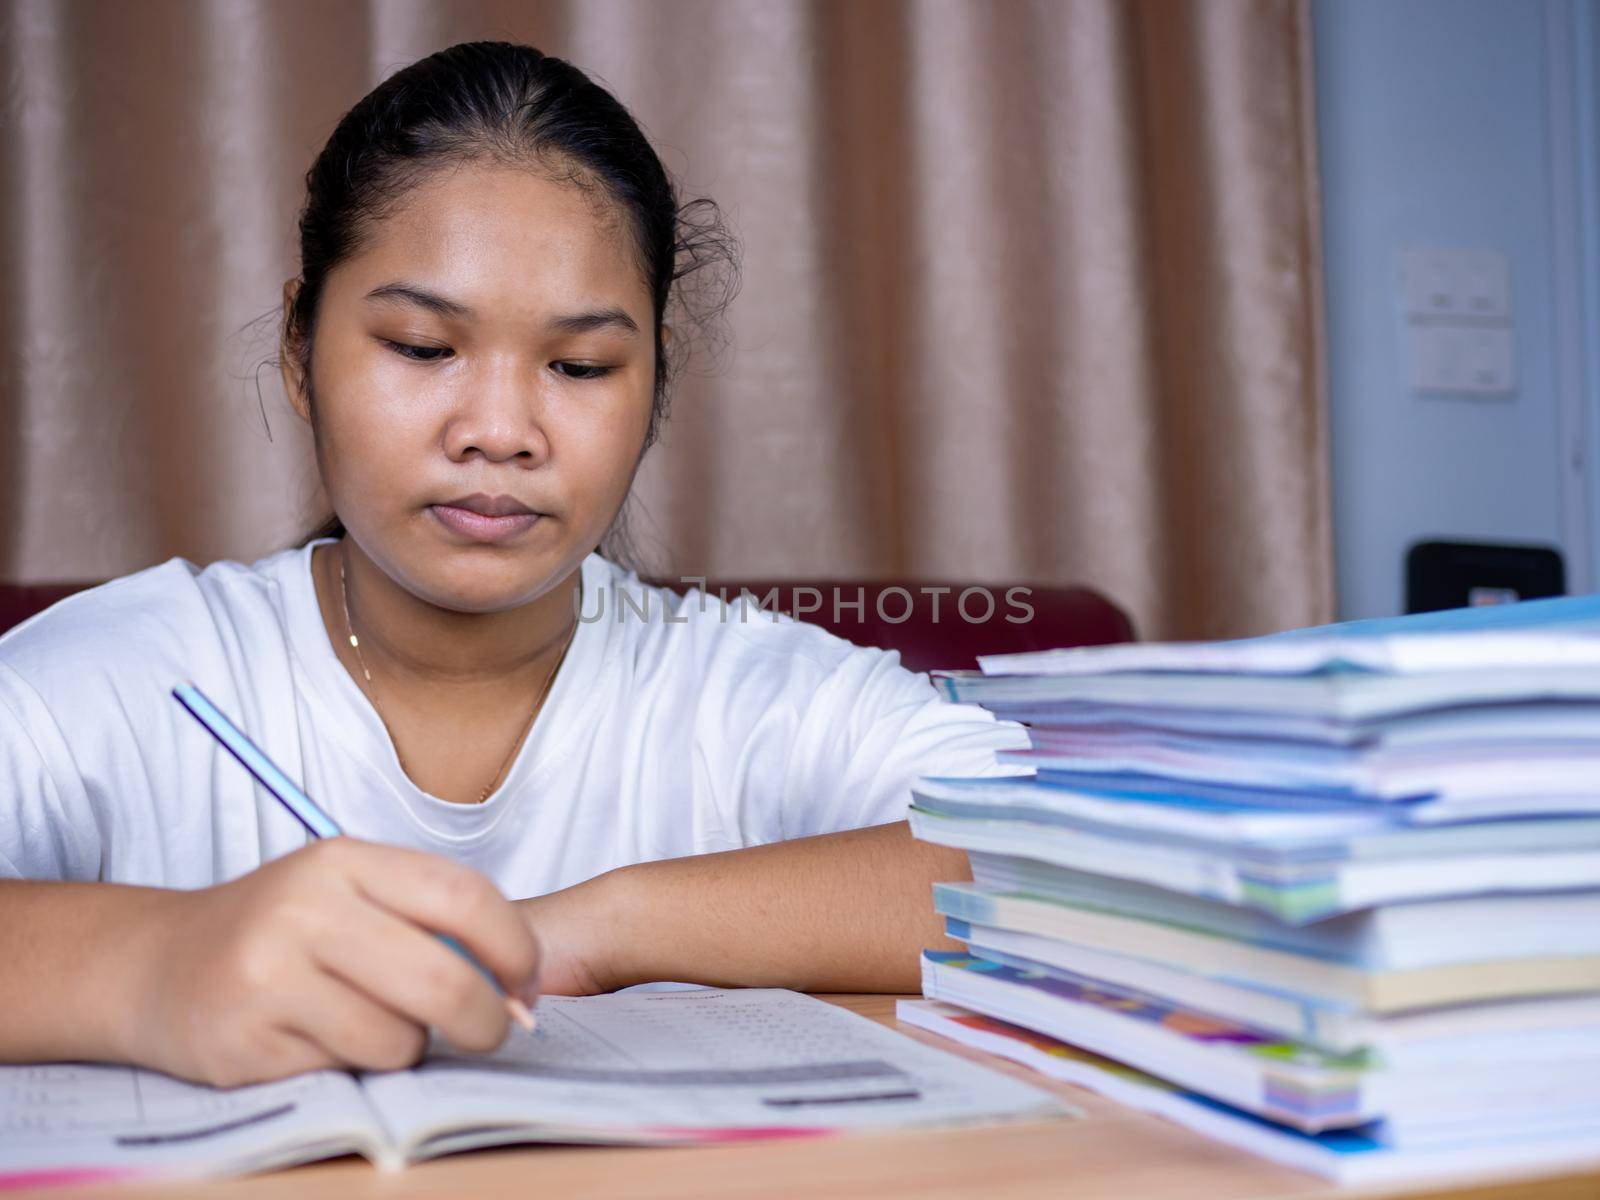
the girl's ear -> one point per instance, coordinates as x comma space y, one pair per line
666, 336
294, 382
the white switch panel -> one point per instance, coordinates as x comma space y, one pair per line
1428, 283
1474, 360
1459, 334
1483, 281
1488, 361
1444, 283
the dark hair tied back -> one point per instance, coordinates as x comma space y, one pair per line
510, 104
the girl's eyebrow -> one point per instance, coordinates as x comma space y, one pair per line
409, 293
610, 317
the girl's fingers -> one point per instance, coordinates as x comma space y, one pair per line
447, 897
285, 1052
414, 974
351, 1027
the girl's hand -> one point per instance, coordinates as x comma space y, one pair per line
325, 958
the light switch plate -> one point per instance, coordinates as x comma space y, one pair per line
1437, 282
1428, 284
1478, 360
1458, 329
1488, 358
1483, 282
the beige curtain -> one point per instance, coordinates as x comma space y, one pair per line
1031, 288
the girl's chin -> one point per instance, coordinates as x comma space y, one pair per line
482, 587
464, 576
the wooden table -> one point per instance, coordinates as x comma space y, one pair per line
1111, 1152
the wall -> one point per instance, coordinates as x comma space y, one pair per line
1455, 123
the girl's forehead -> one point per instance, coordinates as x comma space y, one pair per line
499, 232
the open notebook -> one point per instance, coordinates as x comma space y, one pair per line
637, 1068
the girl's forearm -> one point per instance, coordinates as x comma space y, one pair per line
842, 912
74, 956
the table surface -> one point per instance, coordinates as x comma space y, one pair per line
1109, 1152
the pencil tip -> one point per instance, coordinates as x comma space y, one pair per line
521, 1013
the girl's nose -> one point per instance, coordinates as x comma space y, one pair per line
499, 416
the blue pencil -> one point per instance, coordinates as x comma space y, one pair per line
290, 795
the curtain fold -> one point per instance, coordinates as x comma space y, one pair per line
1031, 288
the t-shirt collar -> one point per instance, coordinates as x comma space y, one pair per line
556, 732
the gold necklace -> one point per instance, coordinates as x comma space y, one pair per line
372, 691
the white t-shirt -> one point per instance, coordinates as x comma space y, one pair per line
694, 727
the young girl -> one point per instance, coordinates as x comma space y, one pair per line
588, 782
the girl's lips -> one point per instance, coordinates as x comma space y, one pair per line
479, 528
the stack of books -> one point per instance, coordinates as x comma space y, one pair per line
1333, 896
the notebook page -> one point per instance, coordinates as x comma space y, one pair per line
103, 1118
689, 1066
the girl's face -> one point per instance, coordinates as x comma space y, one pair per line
482, 372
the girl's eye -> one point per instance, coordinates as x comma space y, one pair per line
419, 353
581, 370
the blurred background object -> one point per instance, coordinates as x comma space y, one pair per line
1444, 575
1031, 290
1459, 162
